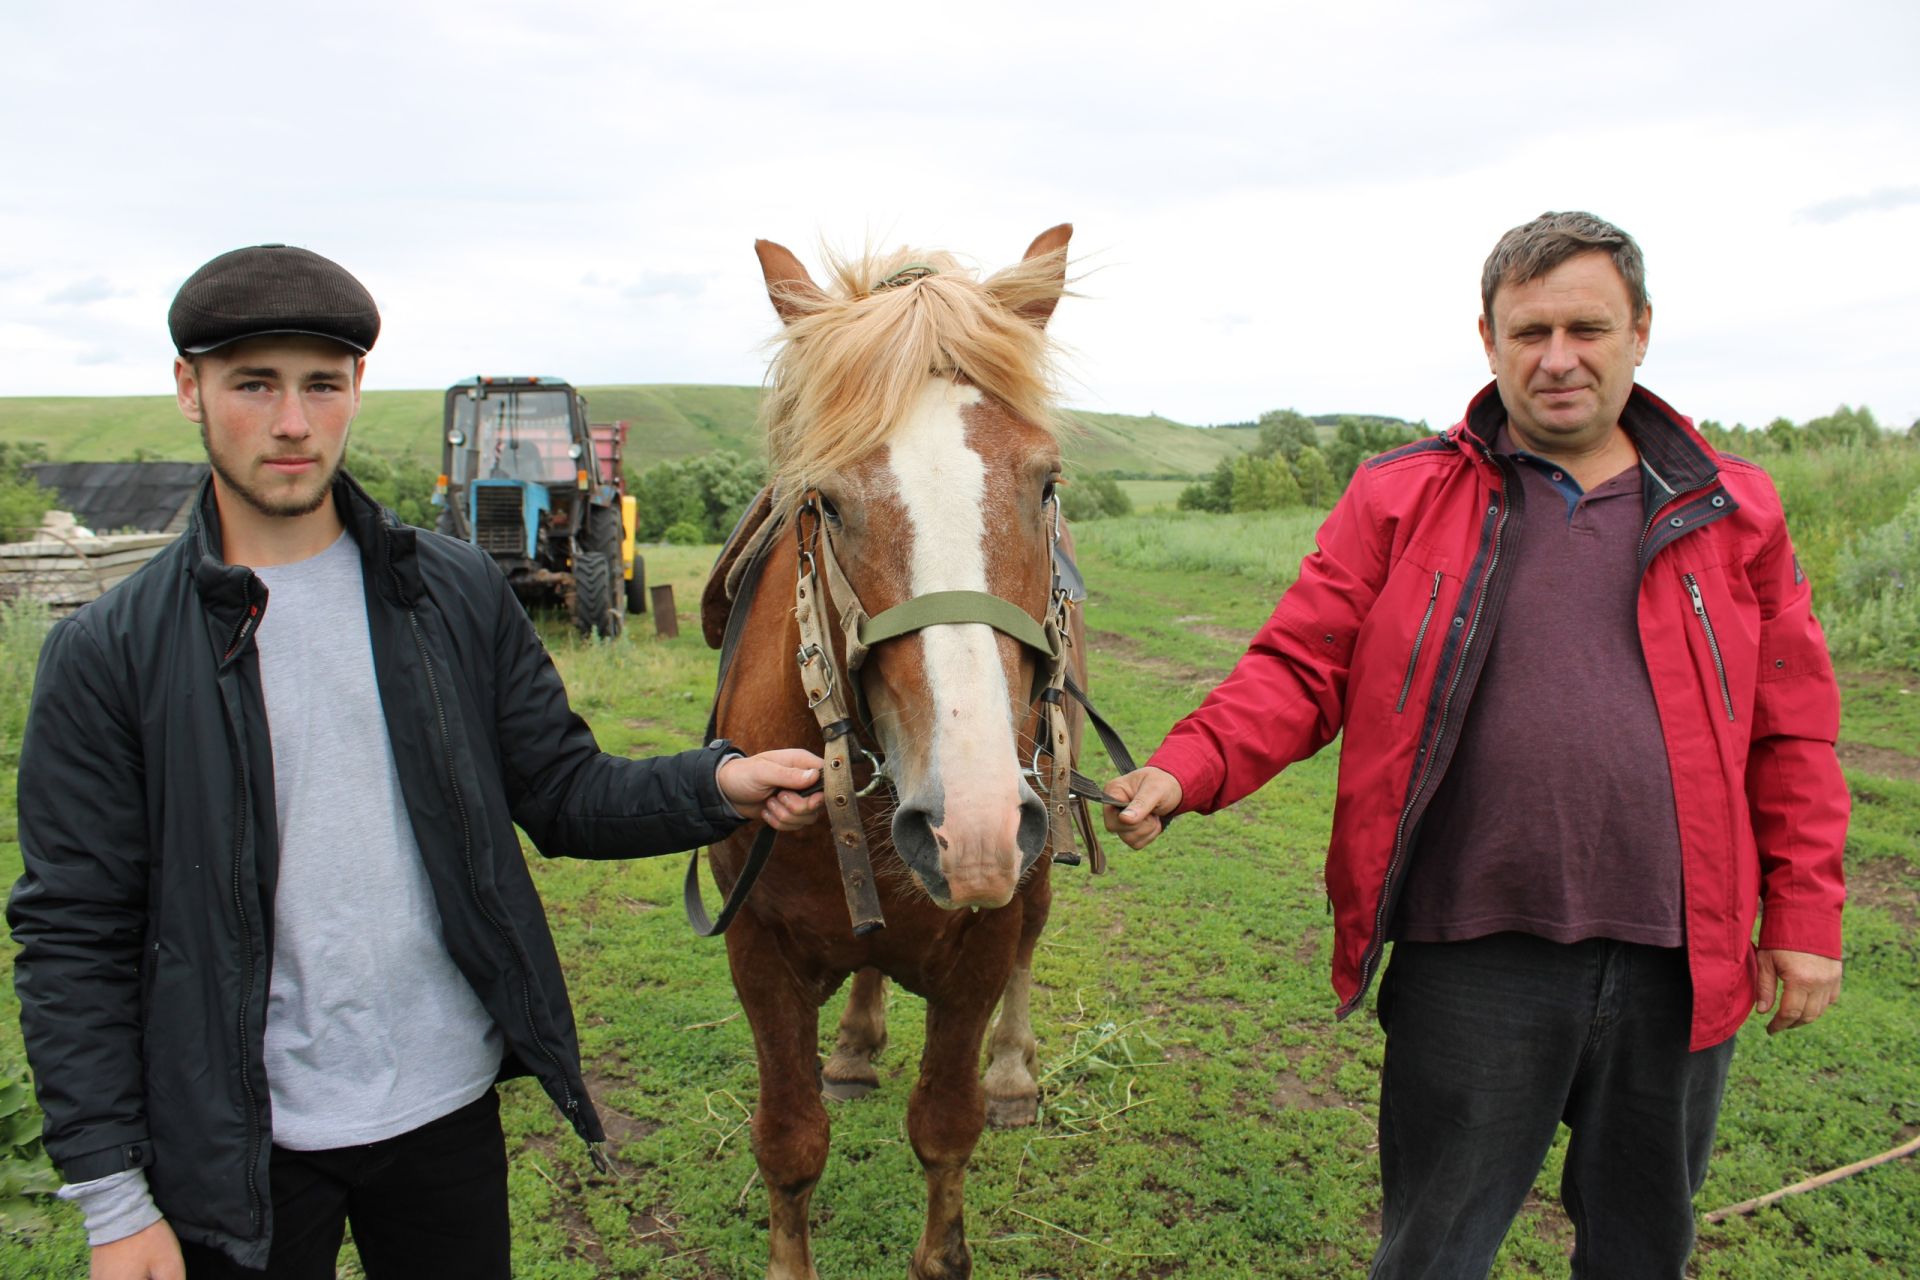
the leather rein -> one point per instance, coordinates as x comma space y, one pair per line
838, 704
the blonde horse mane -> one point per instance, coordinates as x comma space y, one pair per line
854, 356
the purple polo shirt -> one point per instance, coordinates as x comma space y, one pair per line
1556, 817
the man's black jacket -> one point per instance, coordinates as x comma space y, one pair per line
146, 809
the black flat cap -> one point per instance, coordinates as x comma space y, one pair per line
271, 288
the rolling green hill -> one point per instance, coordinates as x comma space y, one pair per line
669, 422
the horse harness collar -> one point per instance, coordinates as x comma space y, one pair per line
826, 686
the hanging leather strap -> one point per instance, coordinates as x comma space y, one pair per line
827, 699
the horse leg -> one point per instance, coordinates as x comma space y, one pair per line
790, 1126
849, 1072
945, 1116
1013, 1095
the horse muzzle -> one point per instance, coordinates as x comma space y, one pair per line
970, 853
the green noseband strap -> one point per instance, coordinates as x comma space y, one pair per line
939, 607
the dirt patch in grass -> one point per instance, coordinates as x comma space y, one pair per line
622, 1130
1880, 761
1129, 651
659, 1228
1888, 884
1214, 631
567, 1207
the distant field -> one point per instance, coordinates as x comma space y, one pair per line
669, 422
1153, 495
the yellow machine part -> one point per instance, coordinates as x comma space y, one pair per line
629, 519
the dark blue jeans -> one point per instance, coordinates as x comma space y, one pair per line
430, 1202
1491, 1044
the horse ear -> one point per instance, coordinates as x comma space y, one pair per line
1051, 241
789, 286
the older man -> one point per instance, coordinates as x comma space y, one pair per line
1588, 726
277, 937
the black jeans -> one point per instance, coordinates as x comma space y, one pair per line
430, 1202
1491, 1044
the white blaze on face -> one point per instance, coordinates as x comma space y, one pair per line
941, 483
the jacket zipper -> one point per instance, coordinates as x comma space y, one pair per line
1713, 644
1419, 638
241, 824
568, 1101
1371, 960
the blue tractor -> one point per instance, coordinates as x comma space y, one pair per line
520, 478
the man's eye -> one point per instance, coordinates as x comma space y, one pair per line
254, 385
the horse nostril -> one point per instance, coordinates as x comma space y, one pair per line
914, 837
1033, 828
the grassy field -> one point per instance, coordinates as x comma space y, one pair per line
1204, 1116
669, 422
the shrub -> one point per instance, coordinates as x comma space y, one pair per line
23, 501
708, 492
685, 533
1876, 593
1094, 496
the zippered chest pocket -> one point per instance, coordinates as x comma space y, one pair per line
1705, 621
1405, 628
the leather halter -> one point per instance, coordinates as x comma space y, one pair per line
826, 684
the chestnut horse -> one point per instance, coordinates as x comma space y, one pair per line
914, 454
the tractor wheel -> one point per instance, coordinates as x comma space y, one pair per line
593, 601
637, 585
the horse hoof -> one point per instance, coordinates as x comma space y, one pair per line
1012, 1113
847, 1090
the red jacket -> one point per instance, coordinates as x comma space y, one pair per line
1384, 634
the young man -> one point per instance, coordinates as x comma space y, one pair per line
278, 941
1589, 725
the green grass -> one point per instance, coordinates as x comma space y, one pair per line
669, 422
1205, 1116
1153, 495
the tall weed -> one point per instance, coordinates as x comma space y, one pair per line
1876, 617
23, 626
1831, 496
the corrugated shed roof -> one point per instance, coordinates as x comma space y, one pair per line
111, 496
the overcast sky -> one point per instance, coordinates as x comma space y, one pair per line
1279, 204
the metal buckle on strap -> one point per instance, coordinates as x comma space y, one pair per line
807, 657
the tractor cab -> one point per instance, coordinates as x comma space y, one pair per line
522, 480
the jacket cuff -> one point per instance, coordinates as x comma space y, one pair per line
1197, 771
1815, 931
715, 806
136, 1153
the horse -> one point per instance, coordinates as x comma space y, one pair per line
914, 454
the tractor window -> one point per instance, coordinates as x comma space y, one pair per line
519, 435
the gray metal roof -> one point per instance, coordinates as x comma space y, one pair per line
111, 496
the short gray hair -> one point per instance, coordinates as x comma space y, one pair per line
1532, 249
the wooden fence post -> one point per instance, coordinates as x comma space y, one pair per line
665, 622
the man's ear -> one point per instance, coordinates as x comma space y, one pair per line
1486, 340
359, 373
1642, 329
186, 390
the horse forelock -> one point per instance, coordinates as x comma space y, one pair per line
854, 360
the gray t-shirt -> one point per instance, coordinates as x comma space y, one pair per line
371, 1029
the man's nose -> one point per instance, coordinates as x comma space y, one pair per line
1559, 357
291, 420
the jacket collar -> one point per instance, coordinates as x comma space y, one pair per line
1671, 451
234, 596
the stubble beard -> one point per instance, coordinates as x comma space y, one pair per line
288, 507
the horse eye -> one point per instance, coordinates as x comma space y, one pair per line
1049, 493
827, 509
